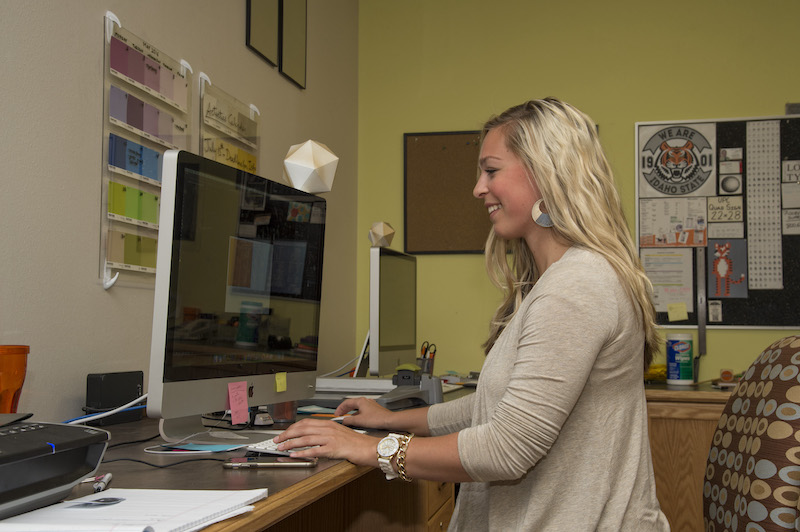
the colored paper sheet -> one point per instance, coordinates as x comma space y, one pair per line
135, 112
248, 162
151, 163
132, 203
165, 126
116, 198
152, 74
150, 120
119, 56
136, 65
280, 382
117, 147
115, 247
180, 134
149, 208
131, 249
167, 82
147, 252
133, 157
237, 395
247, 128
118, 104
180, 91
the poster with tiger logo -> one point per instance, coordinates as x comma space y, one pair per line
677, 160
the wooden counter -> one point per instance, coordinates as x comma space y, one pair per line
682, 421
336, 495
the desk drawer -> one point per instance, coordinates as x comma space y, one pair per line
436, 494
441, 519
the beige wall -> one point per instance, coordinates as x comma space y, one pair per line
447, 65
51, 58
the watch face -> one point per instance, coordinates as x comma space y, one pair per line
388, 446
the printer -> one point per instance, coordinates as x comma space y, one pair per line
40, 462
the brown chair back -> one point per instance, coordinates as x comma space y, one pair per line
752, 480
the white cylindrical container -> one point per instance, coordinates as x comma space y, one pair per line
680, 359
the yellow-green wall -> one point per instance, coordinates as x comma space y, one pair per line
446, 65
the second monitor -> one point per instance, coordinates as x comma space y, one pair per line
392, 310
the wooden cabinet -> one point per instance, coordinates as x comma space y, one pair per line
383, 505
371, 503
681, 426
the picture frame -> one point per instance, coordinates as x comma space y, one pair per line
263, 29
294, 14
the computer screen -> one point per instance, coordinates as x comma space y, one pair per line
237, 295
392, 310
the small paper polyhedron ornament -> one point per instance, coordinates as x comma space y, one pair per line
310, 167
381, 234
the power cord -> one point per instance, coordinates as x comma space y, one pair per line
85, 419
164, 466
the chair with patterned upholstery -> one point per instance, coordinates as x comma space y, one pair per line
752, 480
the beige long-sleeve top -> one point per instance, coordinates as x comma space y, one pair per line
555, 435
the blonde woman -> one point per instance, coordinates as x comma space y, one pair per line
555, 436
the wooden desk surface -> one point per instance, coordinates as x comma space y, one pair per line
289, 489
703, 393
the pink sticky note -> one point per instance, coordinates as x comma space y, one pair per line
237, 395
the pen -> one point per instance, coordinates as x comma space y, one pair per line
101, 484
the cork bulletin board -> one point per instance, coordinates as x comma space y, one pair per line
441, 215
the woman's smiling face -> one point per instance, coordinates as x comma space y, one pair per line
507, 190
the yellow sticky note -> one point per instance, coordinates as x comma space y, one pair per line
677, 312
280, 382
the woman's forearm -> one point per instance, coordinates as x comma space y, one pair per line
410, 420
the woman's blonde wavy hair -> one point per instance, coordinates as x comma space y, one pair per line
559, 146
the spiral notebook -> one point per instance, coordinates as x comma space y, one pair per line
140, 510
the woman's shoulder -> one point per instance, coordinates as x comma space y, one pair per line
581, 261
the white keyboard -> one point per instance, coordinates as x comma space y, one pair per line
270, 447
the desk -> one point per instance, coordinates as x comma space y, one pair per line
682, 421
336, 495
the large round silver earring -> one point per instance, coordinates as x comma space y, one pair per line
542, 219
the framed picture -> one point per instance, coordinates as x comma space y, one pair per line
293, 41
263, 29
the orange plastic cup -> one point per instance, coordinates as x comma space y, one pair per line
13, 363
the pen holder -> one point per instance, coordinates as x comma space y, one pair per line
426, 365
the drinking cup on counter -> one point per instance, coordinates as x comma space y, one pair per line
13, 363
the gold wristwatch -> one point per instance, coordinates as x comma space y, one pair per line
387, 449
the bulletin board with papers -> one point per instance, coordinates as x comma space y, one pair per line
718, 220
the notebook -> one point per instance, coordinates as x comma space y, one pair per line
140, 510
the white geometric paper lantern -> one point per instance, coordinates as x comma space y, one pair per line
381, 235
310, 167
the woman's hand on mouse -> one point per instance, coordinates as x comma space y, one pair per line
366, 413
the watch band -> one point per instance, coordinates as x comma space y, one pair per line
401, 458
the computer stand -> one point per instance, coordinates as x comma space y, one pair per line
413, 390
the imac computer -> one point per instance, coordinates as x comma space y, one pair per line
237, 295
